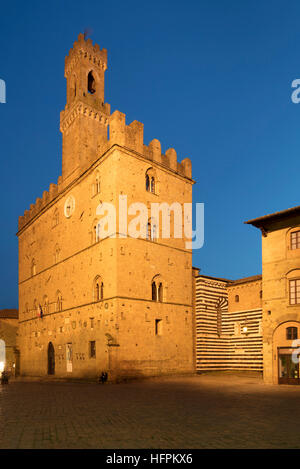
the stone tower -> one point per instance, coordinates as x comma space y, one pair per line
117, 303
84, 120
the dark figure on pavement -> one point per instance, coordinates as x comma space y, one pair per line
103, 377
4, 377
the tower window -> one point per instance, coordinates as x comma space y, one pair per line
91, 83
237, 298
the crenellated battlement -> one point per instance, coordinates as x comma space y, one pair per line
40, 203
132, 137
85, 49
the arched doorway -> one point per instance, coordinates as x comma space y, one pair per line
286, 353
51, 359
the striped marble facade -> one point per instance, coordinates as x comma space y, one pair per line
225, 340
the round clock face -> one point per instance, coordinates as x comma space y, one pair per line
69, 206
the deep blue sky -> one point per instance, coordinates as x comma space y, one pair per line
210, 78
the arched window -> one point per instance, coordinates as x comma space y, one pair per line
260, 294
150, 180
152, 185
98, 289
219, 321
55, 219
291, 333
96, 184
237, 298
46, 305
154, 292
151, 230
160, 292
33, 267
147, 183
157, 289
91, 83
35, 308
56, 254
58, 301
95, 231
221, 306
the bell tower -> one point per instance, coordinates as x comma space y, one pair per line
84, 120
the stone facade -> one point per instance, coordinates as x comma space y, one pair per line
86, 304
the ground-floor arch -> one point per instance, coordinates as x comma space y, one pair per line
51, 359
286, 353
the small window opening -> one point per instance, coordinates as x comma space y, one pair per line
91, 83
158, 327
92, 349
291, 333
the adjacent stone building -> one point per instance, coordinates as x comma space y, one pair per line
254, 323
228, 323
281, 295
90, 303
9, 353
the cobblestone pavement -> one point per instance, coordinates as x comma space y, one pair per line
207, 411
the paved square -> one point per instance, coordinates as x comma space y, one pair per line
207, 411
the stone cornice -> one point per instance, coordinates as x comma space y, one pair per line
69, 115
